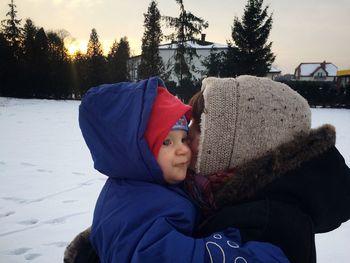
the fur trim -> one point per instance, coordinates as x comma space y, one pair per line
256, 174
72, 249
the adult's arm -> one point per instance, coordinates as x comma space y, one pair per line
169, 245
285, 226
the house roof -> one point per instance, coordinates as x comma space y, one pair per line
273, 69
307, 69
196, 45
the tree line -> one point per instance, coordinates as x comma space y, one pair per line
34, 63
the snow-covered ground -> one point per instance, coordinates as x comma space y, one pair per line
48, 186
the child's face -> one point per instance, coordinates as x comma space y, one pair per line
174, 157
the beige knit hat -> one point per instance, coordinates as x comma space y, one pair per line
246, 117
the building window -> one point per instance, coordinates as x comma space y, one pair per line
319, 75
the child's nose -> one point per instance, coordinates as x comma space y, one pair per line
183, 149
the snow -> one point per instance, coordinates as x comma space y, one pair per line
49, 188
274, 69
195, 45
306, 69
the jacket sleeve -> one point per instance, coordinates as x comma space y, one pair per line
169, 245
320, 187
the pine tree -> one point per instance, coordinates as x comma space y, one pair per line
57, 50
6, 62
213, 63
253, 54
151, 62
187, 26
29, 32
118, 60
230, 66
29, 65
94, 46
12, 30
11, 42
79, 74
96, 62
41, 65
58, 60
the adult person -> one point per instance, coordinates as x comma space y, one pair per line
267, 172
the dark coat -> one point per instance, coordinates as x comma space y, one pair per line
285, 197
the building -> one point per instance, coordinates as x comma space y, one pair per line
167, 52
320, 71
133, 65
273, 73
343, 78
203, 49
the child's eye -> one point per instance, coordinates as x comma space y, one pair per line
167, 142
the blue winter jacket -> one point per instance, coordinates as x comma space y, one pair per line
138, 217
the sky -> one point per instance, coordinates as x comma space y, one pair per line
302, 31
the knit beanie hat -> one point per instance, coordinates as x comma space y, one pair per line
167, 112
245, 118
181, 124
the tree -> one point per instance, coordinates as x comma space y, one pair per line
57, 51
29, 65
79, 74
41, 65
29, 32
118, 60
6, 66
230, 66
253, 53
96, 62
59, 69
94, 46
151, 62
213, 63
187, 26
12, 30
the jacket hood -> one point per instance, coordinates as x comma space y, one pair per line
254, 175
113, 119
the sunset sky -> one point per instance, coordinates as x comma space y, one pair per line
302, 31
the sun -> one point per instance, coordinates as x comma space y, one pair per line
75, 46
72, 49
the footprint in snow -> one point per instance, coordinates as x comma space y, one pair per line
44, 171
86, 183
78, 173
60, 220
29, 222
58, 244
19, 251
69, 201
15, 199
2, 163
31, 256
27, 164
7, 214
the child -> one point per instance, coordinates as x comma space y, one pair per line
142, 213
263, 168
